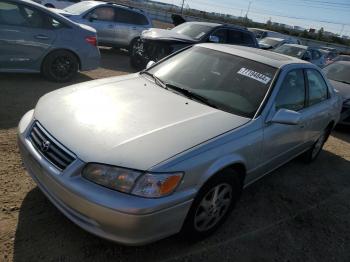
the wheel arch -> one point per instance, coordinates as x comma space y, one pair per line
232, 162
60, 49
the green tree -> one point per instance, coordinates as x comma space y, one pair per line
320, 34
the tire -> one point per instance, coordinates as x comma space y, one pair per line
311, 155
135, 61
60, 66
201, 222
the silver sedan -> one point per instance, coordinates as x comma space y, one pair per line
138, 158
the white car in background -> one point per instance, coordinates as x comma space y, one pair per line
59, 4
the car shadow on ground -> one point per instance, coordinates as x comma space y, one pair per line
342, 132
20, 93
116, 59
298, 213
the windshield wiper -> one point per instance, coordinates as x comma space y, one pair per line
156, 79
183, 91
190, 94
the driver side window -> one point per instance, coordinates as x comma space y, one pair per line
292, 92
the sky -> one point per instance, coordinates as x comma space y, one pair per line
332, 15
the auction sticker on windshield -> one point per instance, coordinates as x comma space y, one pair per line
254, 75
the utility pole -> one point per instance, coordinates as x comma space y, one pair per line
182, 6
250, 2
342, 29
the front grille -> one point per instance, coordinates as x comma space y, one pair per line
155, 51
55, 153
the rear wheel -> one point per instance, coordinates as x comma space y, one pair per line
211, 207
60, 66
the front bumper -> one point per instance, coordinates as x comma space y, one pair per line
116, 216
148, 50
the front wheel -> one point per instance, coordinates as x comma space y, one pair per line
212, 205
60, 66
315, 150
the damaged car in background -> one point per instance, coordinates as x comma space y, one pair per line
155, 44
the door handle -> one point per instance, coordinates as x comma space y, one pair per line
44, 37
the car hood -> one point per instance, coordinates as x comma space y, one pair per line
163, 34
129, 121
343, 88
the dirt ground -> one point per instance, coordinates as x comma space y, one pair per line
298, 213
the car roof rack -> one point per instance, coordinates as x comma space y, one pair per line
127, 6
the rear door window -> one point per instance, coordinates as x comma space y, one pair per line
129, 17
20, 15
221, 34
237, 37
318, 90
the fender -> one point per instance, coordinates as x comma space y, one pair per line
220, 164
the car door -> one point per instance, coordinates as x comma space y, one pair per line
102, 18
282, 141
318, 104
130, 25
25, 36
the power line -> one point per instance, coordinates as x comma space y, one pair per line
267, 12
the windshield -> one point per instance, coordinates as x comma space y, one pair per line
195, 31
290, 50
270, 41
338, 71
79, 8
230, 83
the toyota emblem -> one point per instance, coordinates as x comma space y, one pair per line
45, 146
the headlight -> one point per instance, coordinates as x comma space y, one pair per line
131, 181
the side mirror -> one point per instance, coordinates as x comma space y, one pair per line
286, 117
149, 64
214, 39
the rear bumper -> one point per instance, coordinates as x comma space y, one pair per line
119, 217
90, 60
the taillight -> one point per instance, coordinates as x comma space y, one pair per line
92, 40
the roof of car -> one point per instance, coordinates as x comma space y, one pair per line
217, 24
96, 3
255, 54
274, 38
300, 46
205, 23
